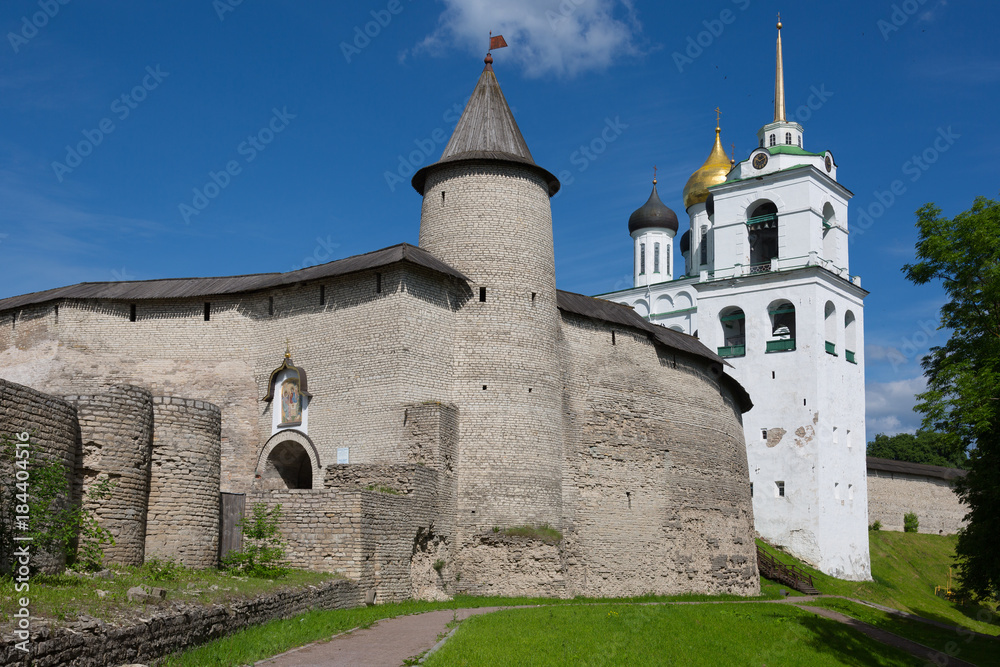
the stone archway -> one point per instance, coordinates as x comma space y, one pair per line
289, 461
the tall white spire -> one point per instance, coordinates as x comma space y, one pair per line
779, 83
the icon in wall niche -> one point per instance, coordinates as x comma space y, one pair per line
288, 382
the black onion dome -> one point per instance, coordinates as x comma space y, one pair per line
686, 241
654, 213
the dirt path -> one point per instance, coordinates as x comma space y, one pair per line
392, 641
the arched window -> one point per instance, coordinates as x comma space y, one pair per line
850, 337
782, 316
703, 245
788, 138
642, 258
288, 466
762, 228
734, 332
831, 328
656, 258
641, 308
829, 237
772, 140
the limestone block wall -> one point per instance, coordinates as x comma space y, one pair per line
656, 488
322, 527
933, 500
52, 423
77, 345
382, 339
183, 520
92, 643
116, 431
493, 222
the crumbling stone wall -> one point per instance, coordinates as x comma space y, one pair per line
656, 485
96, 644
52, 423
183, 521
116, 431
933, 500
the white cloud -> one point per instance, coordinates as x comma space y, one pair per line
546, 37
889, 406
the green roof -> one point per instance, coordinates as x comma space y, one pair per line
790, 150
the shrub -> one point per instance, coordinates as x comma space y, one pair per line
263, 547
877, 526
910, 523
439, 565
163, 570
54, 523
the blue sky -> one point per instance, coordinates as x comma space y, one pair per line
219, 137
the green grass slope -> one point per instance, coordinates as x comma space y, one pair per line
905, 569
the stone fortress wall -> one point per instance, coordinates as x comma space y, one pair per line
116, 431
161, 455
927, 491
382, 390
54, 433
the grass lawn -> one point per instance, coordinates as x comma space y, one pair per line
718, 634
906, 567
963, 645
257, 643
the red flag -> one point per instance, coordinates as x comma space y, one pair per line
497, 42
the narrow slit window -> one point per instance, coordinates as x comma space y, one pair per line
751, 489
656, 258
642, 259
13, 321
482, 294
533, 296
703, 249
763, 434
772, 375
322, 295
208, 311
270, 305
131, 313
57, 314
779, 489
378, 283
612, 337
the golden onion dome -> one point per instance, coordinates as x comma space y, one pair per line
713, 172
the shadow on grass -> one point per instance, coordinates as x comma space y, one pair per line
850, 647
972, 612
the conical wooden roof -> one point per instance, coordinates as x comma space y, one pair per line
486, 131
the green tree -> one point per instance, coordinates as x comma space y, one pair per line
928, 447
963, 375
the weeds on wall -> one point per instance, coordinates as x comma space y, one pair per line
37, 504
263, 548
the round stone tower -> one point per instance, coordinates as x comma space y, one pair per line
486, 213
